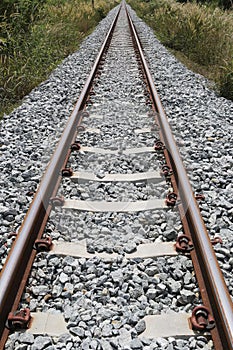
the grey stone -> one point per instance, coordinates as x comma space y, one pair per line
162, 287
162, 342
69, 346
151, 293
170, 234
136, 344
180, 343
130, 248
41, 342
135, 292
64, 338
86, 316
151, 271
94, 344
27, 338
174, 286
187, 278
40, 290
186, 297
105, 345
140, 326
124, 337
21, 347
117, 276
77, 331
107, 330
63, 278
69, 287
132, 319
57, 290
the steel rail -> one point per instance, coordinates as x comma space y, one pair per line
216, 288
19, 256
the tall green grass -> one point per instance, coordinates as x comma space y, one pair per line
36, 35
201, 35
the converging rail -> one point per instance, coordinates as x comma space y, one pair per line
216, 314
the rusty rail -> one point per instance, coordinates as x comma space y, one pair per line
219, 299
19, 256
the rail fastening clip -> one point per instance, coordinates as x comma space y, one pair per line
19, 319
201, 319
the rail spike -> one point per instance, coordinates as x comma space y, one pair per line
166, 171
43, 245
18, 319
184, 244
171, 199
201, 319
67, 172
57, 201
159, 146
75, 146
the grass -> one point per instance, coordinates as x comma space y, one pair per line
199, 35
33, 41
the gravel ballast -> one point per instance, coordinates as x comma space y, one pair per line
104, 301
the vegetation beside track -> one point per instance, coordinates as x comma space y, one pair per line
199, 35
36, 35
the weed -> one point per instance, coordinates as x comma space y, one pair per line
226, 80
35, 36
200, 33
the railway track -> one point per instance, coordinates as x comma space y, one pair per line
103, 224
